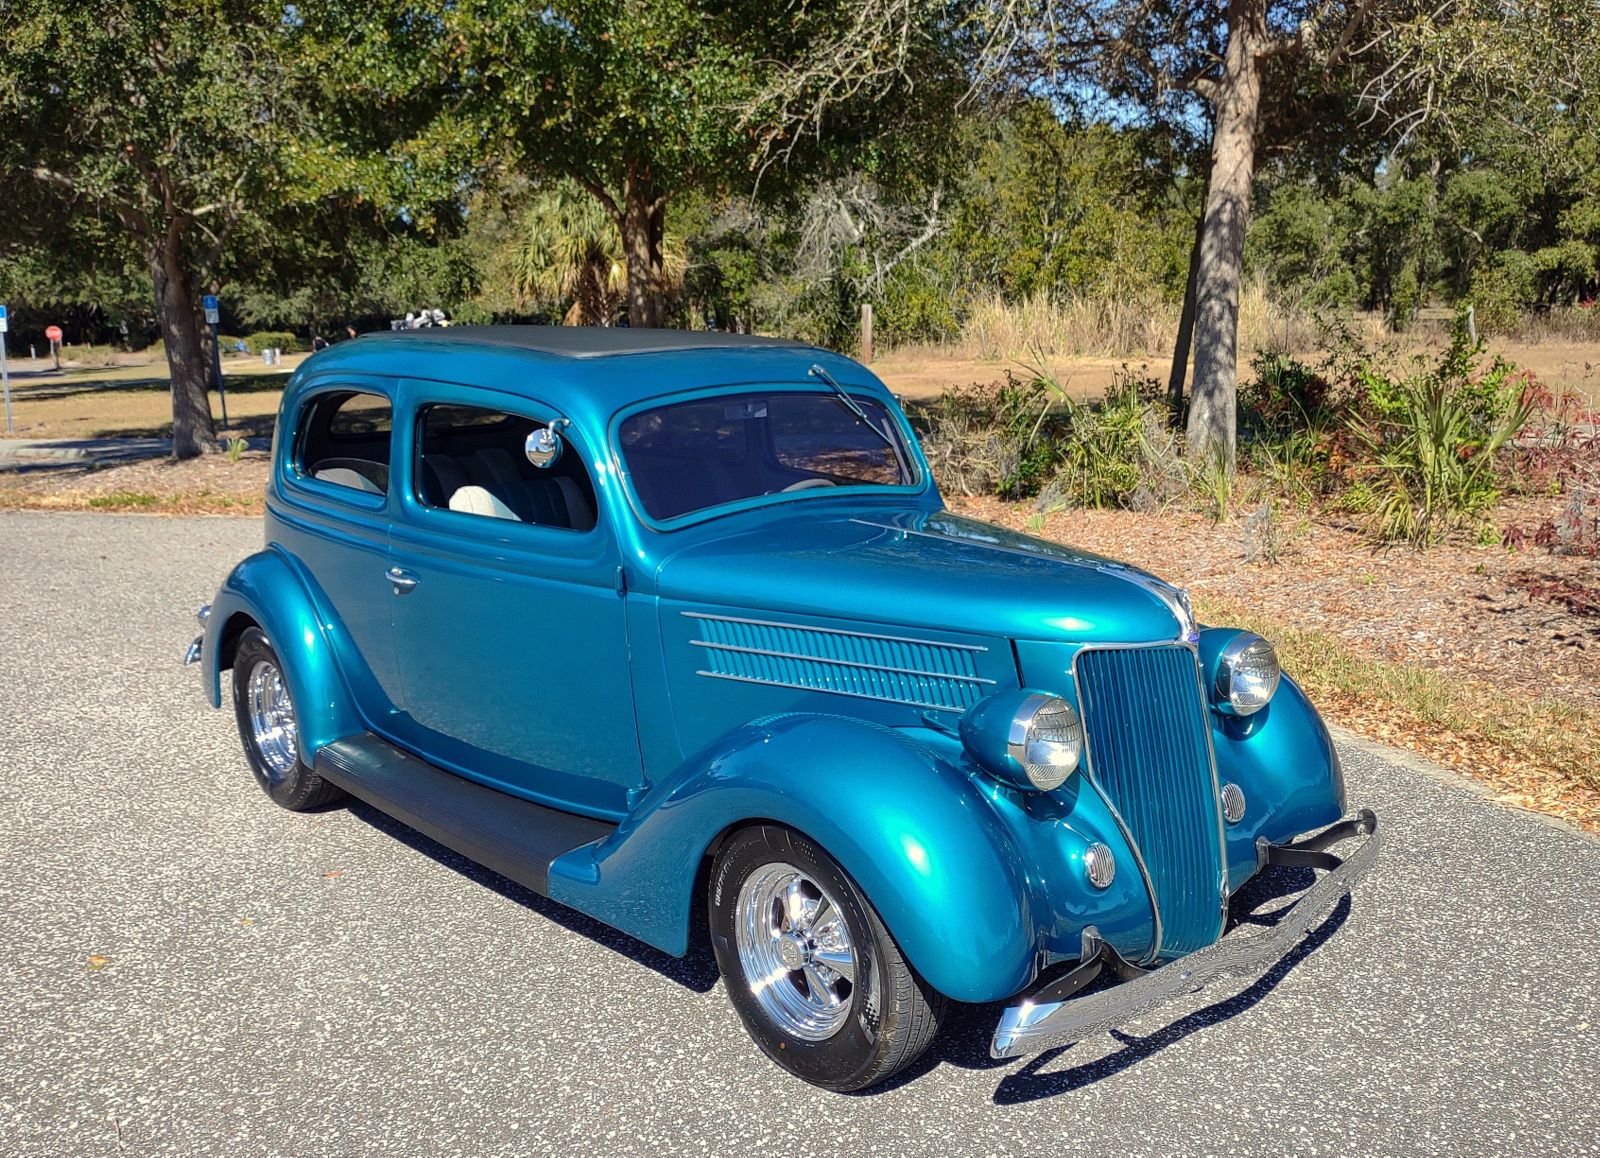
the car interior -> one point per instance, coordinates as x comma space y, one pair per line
470, 460
689, 456
344, 440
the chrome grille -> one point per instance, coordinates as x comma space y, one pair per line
917, 672
1146, 735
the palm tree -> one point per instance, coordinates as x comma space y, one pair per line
570, 251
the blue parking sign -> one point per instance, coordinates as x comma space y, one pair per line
209, 304
5, 320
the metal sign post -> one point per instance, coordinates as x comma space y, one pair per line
213, 316
5, 371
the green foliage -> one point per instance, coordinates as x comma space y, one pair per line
1118, 453
1434, 439
915, 307
1417, 447
1292, 420
1301, 238
273, 339
569, 255
1024, 436
997, 438
124, 500
1061, 208
1502, 289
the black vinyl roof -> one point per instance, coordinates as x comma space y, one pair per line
587, 341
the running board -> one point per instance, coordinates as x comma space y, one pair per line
514, 837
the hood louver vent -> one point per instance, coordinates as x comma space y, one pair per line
915, 672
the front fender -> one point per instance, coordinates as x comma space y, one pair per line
1284, 760
914, 832
265, 589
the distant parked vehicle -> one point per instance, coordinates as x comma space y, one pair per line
655, 622
422, 320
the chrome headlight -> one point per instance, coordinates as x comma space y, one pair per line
1247, 675
1030, 739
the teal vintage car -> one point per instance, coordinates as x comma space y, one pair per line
674, 627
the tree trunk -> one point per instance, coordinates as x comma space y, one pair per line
193, 432
1185, 340
643, 213
1237, 106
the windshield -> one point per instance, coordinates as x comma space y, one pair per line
688, 456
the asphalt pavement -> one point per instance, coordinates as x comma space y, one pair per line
189, 970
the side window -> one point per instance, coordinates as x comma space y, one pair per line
471, 460
344, 440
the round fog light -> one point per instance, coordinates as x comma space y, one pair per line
1099, 864
1232, 803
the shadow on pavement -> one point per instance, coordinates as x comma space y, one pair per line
33, 386
697, 971
257, 426
965, 1037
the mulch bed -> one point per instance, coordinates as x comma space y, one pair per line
211, 484
1523, 618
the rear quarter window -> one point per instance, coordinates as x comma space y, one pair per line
343, 439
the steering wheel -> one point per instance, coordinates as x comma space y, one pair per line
808, 484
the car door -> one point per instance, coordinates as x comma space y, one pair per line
332, 516
507, 615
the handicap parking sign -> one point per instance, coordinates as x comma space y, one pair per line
209, 304
5, 320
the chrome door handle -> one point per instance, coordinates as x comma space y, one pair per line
401, 581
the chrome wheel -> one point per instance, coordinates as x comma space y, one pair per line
795, 951
271, 716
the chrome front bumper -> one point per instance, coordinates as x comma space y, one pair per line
1053, 1018
192, 656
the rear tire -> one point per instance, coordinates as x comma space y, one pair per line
837, 1004
269, 728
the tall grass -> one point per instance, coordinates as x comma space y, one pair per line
1575, 324
995, 328
1109, 327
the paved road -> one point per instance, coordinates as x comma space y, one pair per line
188, 970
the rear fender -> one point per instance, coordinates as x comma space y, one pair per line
265, 590
913, 831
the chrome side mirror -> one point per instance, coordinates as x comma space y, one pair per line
543, 446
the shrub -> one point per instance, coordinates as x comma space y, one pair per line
996, 438
1291, 425
1433, 441
269, 339
1503, 289
1120, 452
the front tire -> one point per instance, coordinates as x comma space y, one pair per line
269, 728
812, 972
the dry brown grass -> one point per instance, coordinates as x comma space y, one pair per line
1535, 752
135, 401
1111, 328
1084, 342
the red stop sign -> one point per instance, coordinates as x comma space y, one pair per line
52, 333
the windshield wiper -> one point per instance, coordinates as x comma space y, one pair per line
861, 415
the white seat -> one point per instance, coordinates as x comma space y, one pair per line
472, 500
345, 477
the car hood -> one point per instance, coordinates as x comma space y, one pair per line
915, 568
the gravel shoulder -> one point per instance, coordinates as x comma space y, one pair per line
191, 970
